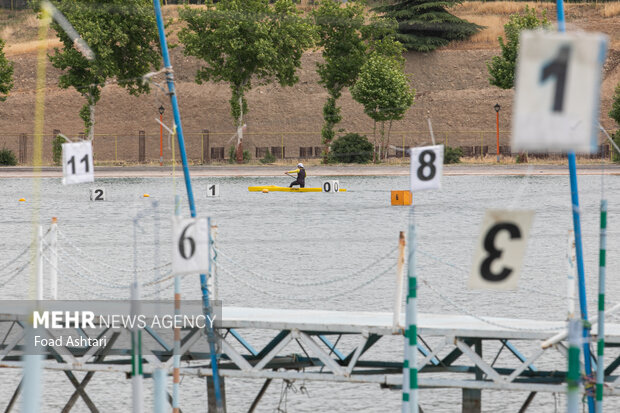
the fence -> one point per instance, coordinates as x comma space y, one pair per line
206, 147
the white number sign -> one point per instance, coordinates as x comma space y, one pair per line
426, 167
77, 162
97, 194
331, 186
500, 249
213, 190
558, 82
190, 245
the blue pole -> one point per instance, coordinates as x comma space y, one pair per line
583, 305
190, 197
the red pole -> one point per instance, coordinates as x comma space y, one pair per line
161, 140
497, 123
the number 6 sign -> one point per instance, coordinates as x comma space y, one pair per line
500, 249
558, 82
426, 167
190, 245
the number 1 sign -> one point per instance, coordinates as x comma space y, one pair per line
77, 162
426, 167
558, 82
190, 246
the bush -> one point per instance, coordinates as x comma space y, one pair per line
452, 155
269, 158
7, 157
615, 157
57, 149
351, 148
232, 155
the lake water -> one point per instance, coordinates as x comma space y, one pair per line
308, 237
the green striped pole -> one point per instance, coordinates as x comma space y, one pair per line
572, 379
410, 370
600, 366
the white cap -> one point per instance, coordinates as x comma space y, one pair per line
300, 165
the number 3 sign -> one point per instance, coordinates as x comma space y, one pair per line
77, 162
190, 245
500, 249
426, 167
558, 82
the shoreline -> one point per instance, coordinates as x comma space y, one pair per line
319, 170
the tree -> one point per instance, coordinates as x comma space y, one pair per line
502, 68
245, 40
614, 113
6, 74
385, 93
346, 40
425, 25
123, 36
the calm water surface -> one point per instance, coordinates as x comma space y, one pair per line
306, 237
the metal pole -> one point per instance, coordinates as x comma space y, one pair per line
40, 263
399, 280
572, 378
160, 402
136, 334
54, 259
410, 370
583, 305
600, 348
161, 140
497, 124
176, 375
572, 270
190, 194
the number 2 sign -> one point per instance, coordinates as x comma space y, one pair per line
426, 167
190, 245
77, 163
558, 82
500, 249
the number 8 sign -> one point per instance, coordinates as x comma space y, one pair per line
190, 245
426, 167
558, 82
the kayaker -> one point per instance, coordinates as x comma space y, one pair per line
301, 176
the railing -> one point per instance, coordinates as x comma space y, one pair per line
207, 147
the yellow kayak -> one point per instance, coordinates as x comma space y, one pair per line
275, 188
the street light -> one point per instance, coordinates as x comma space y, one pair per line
497, 107
161, 135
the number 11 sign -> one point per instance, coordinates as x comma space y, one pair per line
77, 163
558, 82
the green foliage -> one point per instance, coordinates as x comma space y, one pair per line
452, 155
384, 91
232, 155
268, 158
6, 74
351, 148
425, 25
614, 113
123, 36
7, 157
346, 39
502, 68
57, 149
521, 157
241, 41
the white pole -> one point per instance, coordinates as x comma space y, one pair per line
399, 281
54, 258
136, 359
159, 398
40, 263
211, 280
571, 276
176, 360
573, 393
33, 372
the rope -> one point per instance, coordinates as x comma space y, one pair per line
310, 283
8, 264
305, 298
17, 272
96, 260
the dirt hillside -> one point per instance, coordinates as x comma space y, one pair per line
451, 88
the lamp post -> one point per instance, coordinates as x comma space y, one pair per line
161, 135
497, 107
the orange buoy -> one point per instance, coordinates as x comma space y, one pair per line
22, 200
145, 195
265, 191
